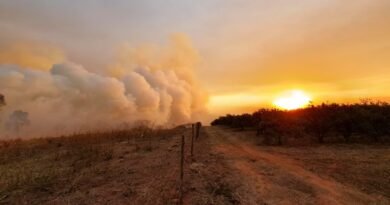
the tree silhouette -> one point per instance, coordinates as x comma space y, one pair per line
365, 119
17, 120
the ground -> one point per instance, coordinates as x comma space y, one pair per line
228, 167
328, 174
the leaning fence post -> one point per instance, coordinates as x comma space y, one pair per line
181, 171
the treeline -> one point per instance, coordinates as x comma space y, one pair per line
366, 120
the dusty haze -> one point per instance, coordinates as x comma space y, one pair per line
243, 53
137, 88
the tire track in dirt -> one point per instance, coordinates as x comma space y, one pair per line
282, 180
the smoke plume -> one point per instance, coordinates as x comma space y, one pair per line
17, 120
33, 55
70, 98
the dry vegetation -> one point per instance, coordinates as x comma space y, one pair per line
360, 122
316, 174
366, 167
141, 166
87, 168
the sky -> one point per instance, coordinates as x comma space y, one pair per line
243, 54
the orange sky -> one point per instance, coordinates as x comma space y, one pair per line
338, 52
248, 52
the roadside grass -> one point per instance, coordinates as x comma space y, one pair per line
43, 166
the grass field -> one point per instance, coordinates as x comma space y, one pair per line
228, 167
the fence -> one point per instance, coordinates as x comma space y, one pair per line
195, 132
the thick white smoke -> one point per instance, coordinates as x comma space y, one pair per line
70, 98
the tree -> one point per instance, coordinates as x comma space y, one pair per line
374, 120
370, 119
17, 120
318, 121
242, 121
272, 126
345, 122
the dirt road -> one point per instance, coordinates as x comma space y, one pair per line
273, 178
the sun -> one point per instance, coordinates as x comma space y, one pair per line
292, 100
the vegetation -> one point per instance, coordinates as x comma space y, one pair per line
37, 170
366, 120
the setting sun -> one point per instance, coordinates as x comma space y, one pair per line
292, 100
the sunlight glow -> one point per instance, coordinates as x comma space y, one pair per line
292, 100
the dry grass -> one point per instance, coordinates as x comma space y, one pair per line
326, 174
41, 170
366, 167
141, 166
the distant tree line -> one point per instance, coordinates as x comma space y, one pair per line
368, 120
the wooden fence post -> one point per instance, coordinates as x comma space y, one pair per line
181, 171
192, 140
198, 124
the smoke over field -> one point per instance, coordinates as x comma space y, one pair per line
68, 97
